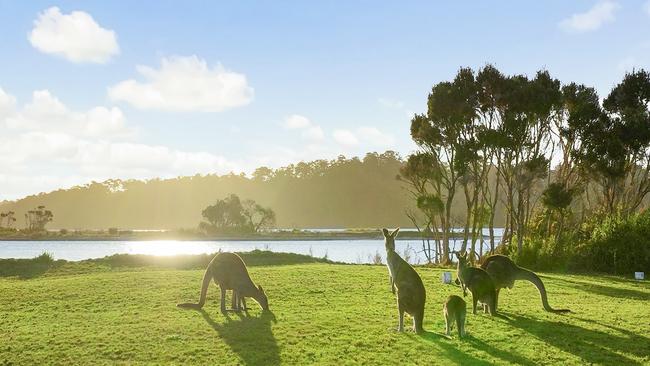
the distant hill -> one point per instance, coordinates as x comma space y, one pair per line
342, 193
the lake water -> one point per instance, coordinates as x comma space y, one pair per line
348, 251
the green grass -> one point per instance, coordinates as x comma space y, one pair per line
93, 313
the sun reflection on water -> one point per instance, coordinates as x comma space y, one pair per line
168, 247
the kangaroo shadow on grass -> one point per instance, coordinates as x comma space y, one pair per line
450, 351
592, 346
251, 338
622, 293
462, 358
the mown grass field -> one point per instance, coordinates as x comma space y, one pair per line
321, 314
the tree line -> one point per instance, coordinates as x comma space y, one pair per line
345, 192
552, 154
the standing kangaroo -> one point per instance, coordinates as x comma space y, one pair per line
229, 272
505, 272
406, 283
455, 310
479, 284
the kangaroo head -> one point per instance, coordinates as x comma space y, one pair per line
390, 238
261, 298
463, 261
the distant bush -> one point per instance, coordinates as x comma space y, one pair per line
112, 231
26, 268
200, 261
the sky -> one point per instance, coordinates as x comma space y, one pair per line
122, 89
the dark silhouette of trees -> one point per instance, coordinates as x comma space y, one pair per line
37, 219
258, 217
7, 219
230, 215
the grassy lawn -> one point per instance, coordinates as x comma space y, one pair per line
321, 314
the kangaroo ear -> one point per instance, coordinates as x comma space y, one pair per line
386, 233
394, 233
260, 288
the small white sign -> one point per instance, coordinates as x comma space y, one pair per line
446, 277
639, 275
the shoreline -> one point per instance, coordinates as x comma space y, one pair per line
175, 236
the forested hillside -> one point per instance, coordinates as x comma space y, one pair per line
319, 194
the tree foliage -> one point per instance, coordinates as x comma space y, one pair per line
231, 215
37, 218
7, 219
547, 143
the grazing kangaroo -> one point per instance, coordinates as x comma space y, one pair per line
406, 282
479, 284
455, 309
505, 272
229, 272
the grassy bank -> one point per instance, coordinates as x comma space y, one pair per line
123, 311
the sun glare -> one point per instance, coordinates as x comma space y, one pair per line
168, 247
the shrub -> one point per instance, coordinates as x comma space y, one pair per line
616, 245
542, 253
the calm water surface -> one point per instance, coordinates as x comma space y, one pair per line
349, 251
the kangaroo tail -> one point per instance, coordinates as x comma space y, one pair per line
524, 274
204, 292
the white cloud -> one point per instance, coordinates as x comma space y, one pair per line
313, 133
345, 137
7, 103
59, 157
373, 136
296, 121
44, 145
46, 113
75, 36
310, 131
184, 84
365, 135
135, 160
592, 19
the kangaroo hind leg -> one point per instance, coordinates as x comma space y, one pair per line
400, 309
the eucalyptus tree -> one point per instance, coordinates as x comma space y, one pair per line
258, 217
422, 175
37, 218
491, 84
623, 168
529, 109
7, 216
580, 109
440, 133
